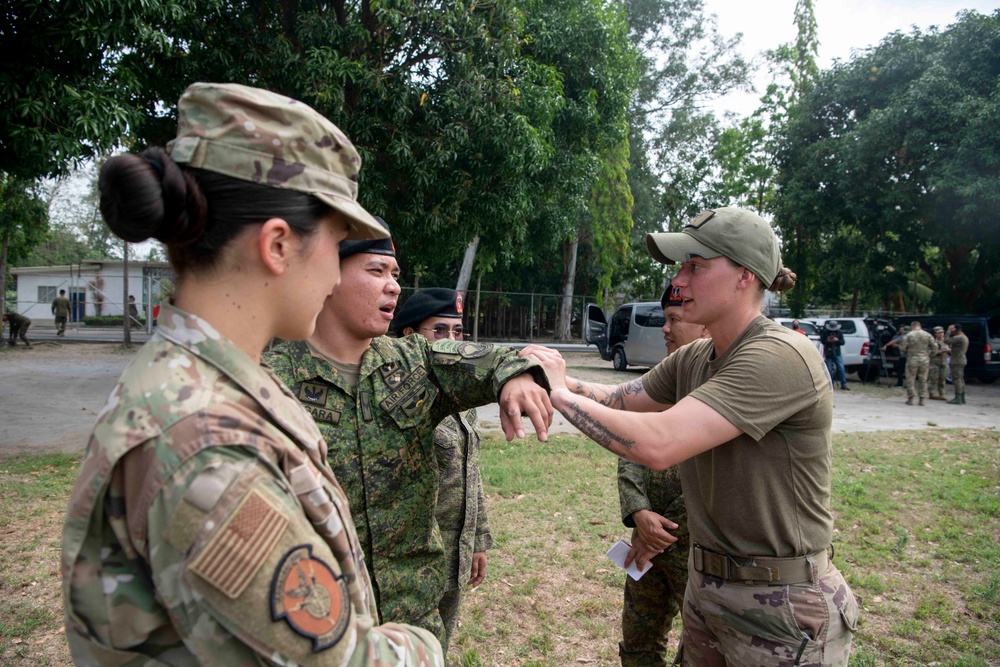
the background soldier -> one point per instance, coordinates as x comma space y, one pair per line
918, 346
18, 327
61, 309
652, 504
377, 401
901, 362
939, 366
959, 344
436, 314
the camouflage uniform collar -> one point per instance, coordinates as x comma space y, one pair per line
202, 340
312, 363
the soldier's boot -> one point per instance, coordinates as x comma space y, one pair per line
963, 398
937, 397
957, 400
921, 402
909, 400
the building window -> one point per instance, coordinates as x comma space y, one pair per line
46, 294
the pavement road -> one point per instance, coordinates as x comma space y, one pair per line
51, 394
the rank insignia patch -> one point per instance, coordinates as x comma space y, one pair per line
474, 350
306, 594
312, 393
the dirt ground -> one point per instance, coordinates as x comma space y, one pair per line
51, 394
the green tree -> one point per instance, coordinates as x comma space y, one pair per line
899, 149
23, 221
685, 63
70, 79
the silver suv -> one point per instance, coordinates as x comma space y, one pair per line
632, 337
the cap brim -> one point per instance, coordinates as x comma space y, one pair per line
671, 247
362, 225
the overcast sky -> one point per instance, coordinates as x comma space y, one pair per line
843, 25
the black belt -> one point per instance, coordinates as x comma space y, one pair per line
759, 570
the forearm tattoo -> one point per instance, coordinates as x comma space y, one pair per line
594, 429
613, 398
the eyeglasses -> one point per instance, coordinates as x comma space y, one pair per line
443, 331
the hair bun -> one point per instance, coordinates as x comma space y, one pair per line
784, 281
148, 196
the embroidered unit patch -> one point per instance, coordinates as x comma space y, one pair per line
313, 393
238, 549
306, 594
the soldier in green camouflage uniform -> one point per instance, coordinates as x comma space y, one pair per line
436, 314
652, 504
61, 310
959, 344
938, 373
205, 526
918, 346
377, 401
18, 327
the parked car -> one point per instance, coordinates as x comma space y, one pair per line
983, 331
858, 333
632, 337
812, 331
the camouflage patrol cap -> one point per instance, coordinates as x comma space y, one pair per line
742, 236
938, 329
258, 136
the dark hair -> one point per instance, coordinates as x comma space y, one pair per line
195, 213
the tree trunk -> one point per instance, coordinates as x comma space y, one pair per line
475, 316
3, 281
465, 274
564, 324
126, 314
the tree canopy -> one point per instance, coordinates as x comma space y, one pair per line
891, 168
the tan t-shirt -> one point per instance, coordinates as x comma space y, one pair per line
766, 492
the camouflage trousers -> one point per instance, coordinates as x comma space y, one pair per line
649, 609
936, 378
450, 603
730, 623
916, 373
958, 377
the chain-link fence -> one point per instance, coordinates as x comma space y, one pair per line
516, 316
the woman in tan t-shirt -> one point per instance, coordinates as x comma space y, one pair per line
750, 427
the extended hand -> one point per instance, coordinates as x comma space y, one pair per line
551, 362
479, 561
652, 529
521, 395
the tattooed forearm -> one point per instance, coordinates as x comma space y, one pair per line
594, 429
613, 397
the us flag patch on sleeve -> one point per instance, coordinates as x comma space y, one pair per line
235, 553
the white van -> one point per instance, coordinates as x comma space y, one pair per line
633, 337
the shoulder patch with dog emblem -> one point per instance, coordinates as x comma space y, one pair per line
306, 594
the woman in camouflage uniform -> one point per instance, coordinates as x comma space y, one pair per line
205, 526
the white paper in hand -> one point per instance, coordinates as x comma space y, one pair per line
619, 552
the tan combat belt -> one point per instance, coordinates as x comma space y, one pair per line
760, 570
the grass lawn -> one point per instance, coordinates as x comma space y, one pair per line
917, 535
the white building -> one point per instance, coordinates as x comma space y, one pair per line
94, 287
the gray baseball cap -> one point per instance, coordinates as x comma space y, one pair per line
262, 137
742, 236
